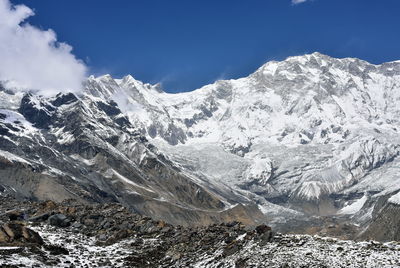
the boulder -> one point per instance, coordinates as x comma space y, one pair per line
161, 224
16, 232
48, 205
4, 238
15, 215
59, 220
40, 217
265, 234
106, 224
231, 248
32, 236
57, 250
260, 229
102, 237
77, 225
232, 224
265, 238
13, 230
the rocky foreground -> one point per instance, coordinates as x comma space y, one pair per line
70, 234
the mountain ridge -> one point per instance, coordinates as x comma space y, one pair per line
308, 136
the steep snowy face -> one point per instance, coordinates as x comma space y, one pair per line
300, 130
305, 99
84, 147
140, 102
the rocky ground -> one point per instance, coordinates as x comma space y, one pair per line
70, 234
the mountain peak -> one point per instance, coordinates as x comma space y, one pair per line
128, 78
105, 77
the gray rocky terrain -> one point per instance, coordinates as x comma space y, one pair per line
74, 235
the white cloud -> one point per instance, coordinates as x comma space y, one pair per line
295, 2
33, 58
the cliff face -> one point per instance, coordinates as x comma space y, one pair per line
384, 225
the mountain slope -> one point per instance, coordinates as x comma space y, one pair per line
85, 148
311, 134
308, 136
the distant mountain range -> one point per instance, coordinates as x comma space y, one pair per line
311, 141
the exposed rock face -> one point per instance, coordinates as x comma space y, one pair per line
385, 225
68, 147
36, 111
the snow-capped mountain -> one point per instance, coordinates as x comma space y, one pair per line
308, 136
84, 148
312, 133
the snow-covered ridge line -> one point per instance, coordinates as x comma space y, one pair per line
270, 65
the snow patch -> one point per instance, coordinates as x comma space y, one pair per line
354, 207
12, 157
395, 199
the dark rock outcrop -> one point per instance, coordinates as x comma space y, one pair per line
385, 225
36, 111
17, 233
59, 220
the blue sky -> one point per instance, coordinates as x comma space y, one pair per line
186, 44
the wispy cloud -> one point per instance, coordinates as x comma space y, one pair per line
296, 2
33, 58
